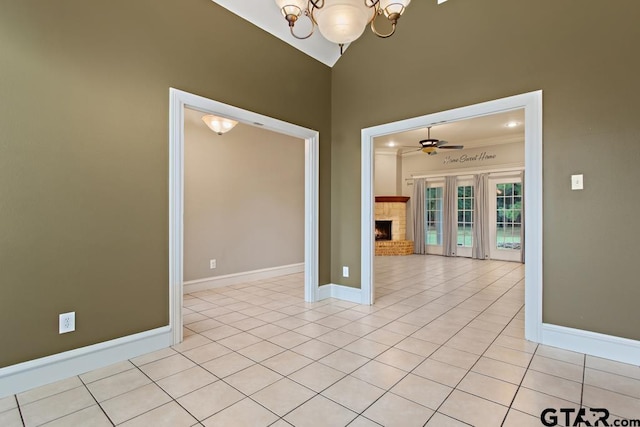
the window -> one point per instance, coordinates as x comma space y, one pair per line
465, 216
433, 214
509, 215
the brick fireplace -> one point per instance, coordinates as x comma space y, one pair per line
393, 209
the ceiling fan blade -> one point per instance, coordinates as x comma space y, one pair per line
453, 147
441, 143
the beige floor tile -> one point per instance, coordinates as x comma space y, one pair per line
249, 323
107, 371
7, 403
91, 416
385, 337
440, 372
252, 379
289, 339
441, 420
379, 374
417, 346
221, 332
314, 349
203, 325
555, 386
337, 338
290, 322
631, 371
320, 412
508, 355
317, 376
312, 330
134, 403
206, 352
488, 388
404, 329
283, 396
394, 411
261, 351
473, 410
11, 418
245, 413
156, 355
470, 346
558, 368
461, 359
353, 393
190, 342
358, 329
500, 370
48, 390
333, 322
344, 361
239, 341
228, 364
272, 316
367, 348
210, 399
117, 384
516, 344
167, 366
400, 359
533, 402
286, 362
520, 419
186, 381
616, 403
56, 406
267, 331
363, 422
560, 354
168, 415
421, 390
613, 382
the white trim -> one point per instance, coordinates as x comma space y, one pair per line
245, 276
606, 346
532, 104
178, 100
34, 373
341, 292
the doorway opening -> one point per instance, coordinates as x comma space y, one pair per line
531, 103
179, 100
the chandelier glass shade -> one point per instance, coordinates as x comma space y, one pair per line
342, 21
219, 125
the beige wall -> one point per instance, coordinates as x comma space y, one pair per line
243, 199
581, 55
84, 113
387, 172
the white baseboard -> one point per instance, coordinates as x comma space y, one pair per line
34, 373
245, 276
341, 292
592, 343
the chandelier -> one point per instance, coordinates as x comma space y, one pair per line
342, 21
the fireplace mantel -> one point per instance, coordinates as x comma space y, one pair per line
392, 199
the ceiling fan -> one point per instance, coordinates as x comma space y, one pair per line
431, 146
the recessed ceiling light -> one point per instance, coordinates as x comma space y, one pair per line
512, 124
391, 144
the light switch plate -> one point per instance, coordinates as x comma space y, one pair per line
577, 182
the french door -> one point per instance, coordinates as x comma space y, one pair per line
464, 213
505, 218
433, 218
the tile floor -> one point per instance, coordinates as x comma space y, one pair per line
442, 346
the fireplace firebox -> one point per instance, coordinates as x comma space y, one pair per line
383, 230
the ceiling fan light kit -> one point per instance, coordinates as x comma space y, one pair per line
431, 146
218, 124
342, 21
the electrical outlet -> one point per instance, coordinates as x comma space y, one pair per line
212, 264
345, 271
67, 322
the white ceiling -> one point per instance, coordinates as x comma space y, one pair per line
472, 133
266, 15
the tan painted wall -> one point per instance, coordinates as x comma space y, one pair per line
243, 199
84, 102
582, 55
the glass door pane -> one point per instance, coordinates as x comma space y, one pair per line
433, 216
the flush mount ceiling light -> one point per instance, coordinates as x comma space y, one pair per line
217, 124
342, 21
